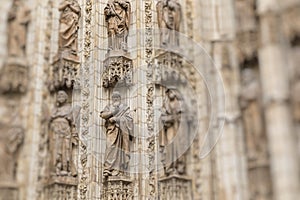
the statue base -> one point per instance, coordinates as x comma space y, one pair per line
118, 71
61, 187
14, 76
9, 191
64, 72
117, 187
175, 187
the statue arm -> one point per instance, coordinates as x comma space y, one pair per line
75, 8
63, 5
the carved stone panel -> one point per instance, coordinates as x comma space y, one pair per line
61, 188
117, 71
117, 188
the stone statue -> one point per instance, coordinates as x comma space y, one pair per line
10, 143
117, 17
119, 132
18, 20
174, 132
68, 27
169, 19
63, 136
252, 116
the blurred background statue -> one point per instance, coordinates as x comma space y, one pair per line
174, 132
169, 19
18, 20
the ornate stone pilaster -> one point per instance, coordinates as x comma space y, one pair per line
175, 187
117, 187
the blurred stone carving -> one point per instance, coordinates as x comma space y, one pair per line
66, 62
174, 132
63, 137
14, 74
119, 132
169, 19
117, 17
252, 117
296, 96
10, 142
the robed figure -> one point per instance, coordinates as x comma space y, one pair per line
169, 19
63, 137
17, 21
119, 132
117, 17
174, 132
68, 27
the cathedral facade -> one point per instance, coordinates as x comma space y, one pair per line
150, 99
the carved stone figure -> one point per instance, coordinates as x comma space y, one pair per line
117, 17
169, 19
10, 143
18, 19
119, 132
252, 117
63, 136
68, 28
14, 74
174, 132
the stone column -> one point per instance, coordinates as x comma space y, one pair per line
272, 59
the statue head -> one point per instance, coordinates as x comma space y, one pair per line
173, 93
61, 97
116, 98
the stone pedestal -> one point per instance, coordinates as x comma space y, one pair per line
117, 187
14, 75
175, 187
64, 73
9, 191
118, 70
61, 187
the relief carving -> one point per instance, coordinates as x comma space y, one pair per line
117, 17
174, 133
10, 143
63, 137
119, 132
14, 74
169, 18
